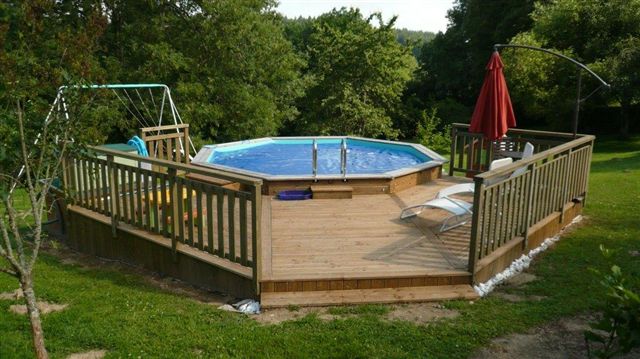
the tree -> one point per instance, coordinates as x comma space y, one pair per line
414, 39
44, 45
18, 249
544, 85
355, 76
623, 72
234, 73
603, 34
452, 65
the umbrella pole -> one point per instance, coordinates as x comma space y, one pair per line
576, 113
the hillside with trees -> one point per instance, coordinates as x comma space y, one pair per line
238, 69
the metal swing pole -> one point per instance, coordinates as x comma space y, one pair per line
580, 66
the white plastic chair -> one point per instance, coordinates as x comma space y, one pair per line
528, 152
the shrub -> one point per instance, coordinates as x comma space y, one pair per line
618, 330
432, 133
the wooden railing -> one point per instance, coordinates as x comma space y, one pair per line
209, 216
510, 199
170, 142
471, 153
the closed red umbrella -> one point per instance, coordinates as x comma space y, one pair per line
493, 114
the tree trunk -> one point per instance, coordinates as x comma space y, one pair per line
34, 317
624, 119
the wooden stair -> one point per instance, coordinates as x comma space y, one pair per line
331, 191
362, 296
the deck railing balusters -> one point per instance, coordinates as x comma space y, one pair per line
231, 203
508, 207
200, 215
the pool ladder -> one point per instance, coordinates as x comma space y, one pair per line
343, 159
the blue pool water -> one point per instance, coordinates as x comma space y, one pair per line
294, 157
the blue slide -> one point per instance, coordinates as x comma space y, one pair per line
138, 143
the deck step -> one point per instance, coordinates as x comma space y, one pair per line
362, 296
331, 191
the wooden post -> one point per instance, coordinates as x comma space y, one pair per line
113, 195
478, 195
175, 197
586, 185
185, 145
256, 243
452, 158
527, 220
565, 186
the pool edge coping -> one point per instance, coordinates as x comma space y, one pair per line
202, 159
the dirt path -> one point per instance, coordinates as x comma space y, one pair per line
418, 313
560, 339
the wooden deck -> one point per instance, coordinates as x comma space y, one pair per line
362, 237
222, 230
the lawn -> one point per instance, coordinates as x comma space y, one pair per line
120, 312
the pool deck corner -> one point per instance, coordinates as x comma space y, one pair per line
331, 246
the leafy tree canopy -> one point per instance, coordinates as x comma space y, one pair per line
234, 73
453, 63
356, 74
604, 34
44, 45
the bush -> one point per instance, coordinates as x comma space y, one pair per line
618, 330
432, 133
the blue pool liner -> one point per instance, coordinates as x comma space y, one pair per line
294, 195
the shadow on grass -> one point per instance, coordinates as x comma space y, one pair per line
616, 145
617, 164
109, 275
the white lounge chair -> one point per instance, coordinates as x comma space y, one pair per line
458, 208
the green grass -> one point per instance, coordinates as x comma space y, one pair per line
119, 312
366, 309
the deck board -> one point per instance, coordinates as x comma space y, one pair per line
360, 296
364, 237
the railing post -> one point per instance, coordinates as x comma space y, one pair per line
527, 220
454, 140
256, 240
565, 188
113, 195
586, 184
175, 197
478, 196
187, 145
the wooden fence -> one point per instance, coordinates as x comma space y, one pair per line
222, 221
510, 199
170, 142
471, 153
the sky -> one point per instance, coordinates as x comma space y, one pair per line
425, 15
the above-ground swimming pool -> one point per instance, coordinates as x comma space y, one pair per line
371, 165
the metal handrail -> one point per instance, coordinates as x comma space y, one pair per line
314, 159
343, 158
